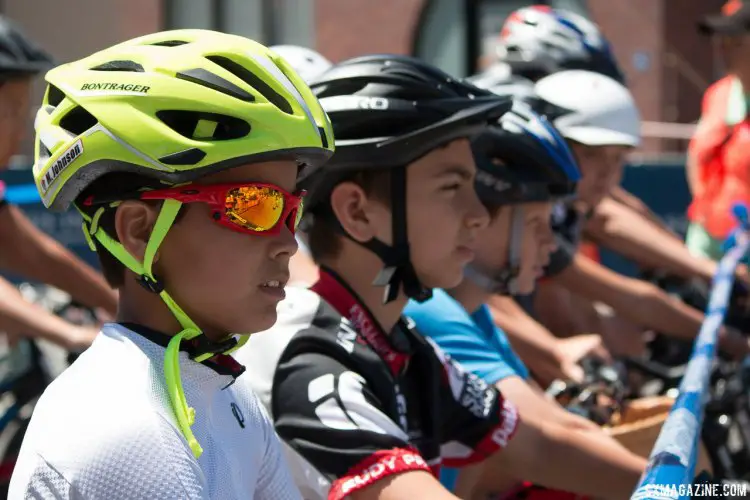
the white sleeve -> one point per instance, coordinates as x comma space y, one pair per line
42, 481
142, 465
275, 480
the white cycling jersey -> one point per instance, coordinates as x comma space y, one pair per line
105, 430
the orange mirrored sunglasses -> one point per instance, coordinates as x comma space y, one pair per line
250, 207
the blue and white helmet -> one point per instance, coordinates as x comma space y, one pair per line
523, 159
538, 40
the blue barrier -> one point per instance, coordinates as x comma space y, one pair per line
25, 194
671, 466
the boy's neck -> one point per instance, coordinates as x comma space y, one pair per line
138, 306
358, 267
470, 295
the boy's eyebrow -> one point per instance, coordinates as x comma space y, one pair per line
455, 169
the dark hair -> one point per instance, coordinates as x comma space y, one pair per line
493, 209
108, 186
324, 234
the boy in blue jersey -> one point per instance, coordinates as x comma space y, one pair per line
523, 167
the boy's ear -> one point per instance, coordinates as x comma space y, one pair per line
350, 204
134, 222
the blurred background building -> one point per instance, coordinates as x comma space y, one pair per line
668, 64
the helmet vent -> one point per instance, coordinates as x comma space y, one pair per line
251, 79
215, 82
202, 126
119, 66
44, 152
170, 43
323, 137
547, 109
187, 157
78, 121
54, 96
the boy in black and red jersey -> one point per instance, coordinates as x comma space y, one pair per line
370, 409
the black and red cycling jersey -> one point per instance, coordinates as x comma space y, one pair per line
355, 405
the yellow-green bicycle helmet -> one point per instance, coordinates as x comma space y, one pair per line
171, 107
128, 109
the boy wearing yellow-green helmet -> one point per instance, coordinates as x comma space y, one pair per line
181, 150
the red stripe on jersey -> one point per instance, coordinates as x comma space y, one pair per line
379, 465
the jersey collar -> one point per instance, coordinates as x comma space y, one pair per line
394, 349
223, 364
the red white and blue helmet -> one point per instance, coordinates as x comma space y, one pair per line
539, 40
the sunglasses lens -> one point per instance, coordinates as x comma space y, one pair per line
253, 207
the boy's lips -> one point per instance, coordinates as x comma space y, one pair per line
465, 251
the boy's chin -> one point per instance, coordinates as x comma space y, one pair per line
445, 278
260, 322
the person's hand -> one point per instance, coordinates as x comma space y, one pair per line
103, 316
79, 338
572, 350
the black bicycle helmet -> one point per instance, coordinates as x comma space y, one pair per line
19, 55
388, 111
521, 159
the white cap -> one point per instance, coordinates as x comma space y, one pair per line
306, 62
602, 111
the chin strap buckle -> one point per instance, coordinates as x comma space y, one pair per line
201, 347
151, 284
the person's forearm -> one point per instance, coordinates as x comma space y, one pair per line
673, 317
587, 464
63, 270
533, 343
650, 248
618, 228
21, 318
640, 302
36, 256
637, 205
573, 422
658, 311
554, 457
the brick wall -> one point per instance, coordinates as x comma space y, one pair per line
635, 29
667, 63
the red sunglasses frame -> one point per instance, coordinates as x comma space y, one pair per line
215, 195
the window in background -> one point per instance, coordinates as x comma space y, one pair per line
200, 14
267, 21
442, 36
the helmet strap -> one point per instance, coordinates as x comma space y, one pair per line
398, 272
168, 213
504, 281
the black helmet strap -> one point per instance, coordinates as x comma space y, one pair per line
398, 272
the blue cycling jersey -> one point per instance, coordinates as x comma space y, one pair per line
471, 339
